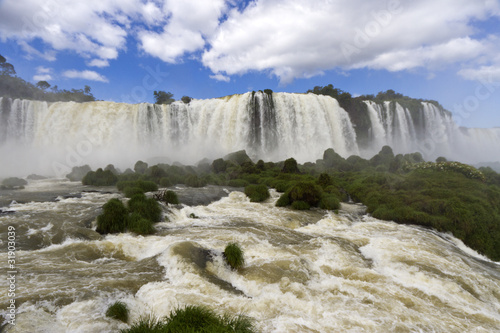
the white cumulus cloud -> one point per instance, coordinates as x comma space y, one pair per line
86, 75
285, 38
294, 39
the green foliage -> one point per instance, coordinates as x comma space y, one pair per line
333, 160
148, 208
324, 180
290, 166
139, 224
283, 201
281, 185
307, 192
193, 319
13, 182
12, 86
77, 173
144, 185
146, 325
300, 205
329, 202
441, 159
131, 191
119, 311
100, 178
257, 193
168, 197
233, 254
238, 183
186, 99
194, 181
430, 197
466, 170
140, 167
162, 97
113, 219
219, 165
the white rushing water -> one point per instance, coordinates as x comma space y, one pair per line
52, 138
311, 271
58, 136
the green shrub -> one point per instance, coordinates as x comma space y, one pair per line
131, 191
165, 182
234, 255
307, 192
113, 219
194, 181
290, 166
148, 208
238, 183
119, 311
168, 197
100, 178
329, 202
282, 185
324, 180
145, 185
283, 201
219, 165
300, 205
77, 173
257, 193
140, 225
140, 167
14, 182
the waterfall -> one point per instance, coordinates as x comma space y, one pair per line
268, 126
42, 137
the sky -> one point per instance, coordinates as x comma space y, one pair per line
444, 50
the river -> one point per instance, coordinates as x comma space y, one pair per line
313, 271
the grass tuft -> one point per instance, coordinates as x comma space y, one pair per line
234, 255
119, 311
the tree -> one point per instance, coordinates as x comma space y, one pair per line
5, 67
186, 99
162, 97
86, 90
43, 85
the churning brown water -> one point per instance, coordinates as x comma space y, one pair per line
305, 271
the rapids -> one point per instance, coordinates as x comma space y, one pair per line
313, 271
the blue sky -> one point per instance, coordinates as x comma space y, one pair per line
446, 50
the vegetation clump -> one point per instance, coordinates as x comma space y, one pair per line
140, 225
193, 319
168, 197
13, 183
100, 177
233, 254
257, 193
290, 166
77, 173
466, 170
113, 218
118, 310
148, 208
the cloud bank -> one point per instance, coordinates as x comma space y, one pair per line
289, 39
